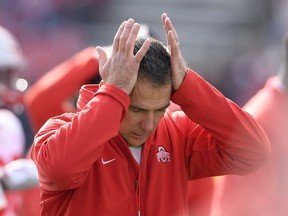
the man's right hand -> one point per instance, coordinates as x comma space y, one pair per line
121, 69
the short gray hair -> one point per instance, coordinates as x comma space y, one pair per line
155, 66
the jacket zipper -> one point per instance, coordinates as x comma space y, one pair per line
137, 197
138, 192
136, 168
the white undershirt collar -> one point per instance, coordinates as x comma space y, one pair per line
136, 152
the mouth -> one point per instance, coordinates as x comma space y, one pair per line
138, 136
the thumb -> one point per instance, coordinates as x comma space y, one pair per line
101, 55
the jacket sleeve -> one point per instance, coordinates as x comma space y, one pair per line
225, 138
66, 146
58, 85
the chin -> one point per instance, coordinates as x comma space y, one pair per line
136, 143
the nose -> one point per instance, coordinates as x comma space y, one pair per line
147, 121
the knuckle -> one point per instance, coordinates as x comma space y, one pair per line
123, 37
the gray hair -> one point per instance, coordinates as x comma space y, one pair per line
155, 66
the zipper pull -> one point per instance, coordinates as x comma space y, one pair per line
137, 196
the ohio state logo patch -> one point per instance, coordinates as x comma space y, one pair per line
163, 155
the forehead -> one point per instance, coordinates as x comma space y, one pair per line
147, 96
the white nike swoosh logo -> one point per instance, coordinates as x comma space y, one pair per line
109, 161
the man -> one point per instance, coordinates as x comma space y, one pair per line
122, 153
263, 192
61, 83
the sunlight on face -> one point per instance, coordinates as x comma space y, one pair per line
148, 104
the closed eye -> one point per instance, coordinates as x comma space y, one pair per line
161, 110
133, 109
137, 109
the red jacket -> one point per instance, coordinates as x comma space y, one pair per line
85, 167
263, 192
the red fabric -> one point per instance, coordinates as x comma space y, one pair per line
200, 195
264, 192
200, 191
69, 151
30, 202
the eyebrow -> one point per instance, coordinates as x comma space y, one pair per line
139, 108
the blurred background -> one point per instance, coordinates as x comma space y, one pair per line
234, 44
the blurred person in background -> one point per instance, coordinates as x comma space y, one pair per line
12, 141
15, 177
13, 123
265, 191
12, 136
12, 86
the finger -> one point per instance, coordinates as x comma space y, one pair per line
174, 44
102, 56
163, 18
125, 34
132, 38
169, 26
286, 49
143, 50
117, 37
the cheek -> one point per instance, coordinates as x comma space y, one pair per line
123, 128
158, 117
127, 124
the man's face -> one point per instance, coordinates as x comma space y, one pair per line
148, 104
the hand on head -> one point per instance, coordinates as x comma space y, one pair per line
178, 64
121, 69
